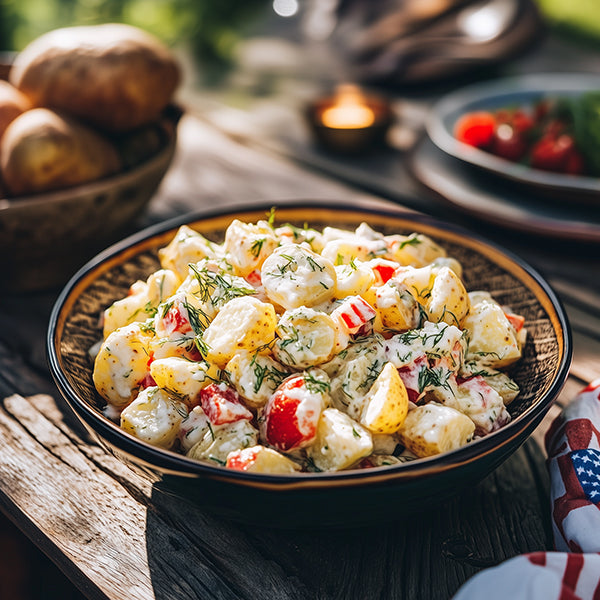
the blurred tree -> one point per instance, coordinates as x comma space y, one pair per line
579, 20
208, 29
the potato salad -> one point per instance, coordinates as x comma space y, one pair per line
286, 349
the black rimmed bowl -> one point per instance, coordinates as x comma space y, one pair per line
324, 499
514, 92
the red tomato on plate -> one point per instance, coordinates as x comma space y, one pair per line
476, 128
508, 142
556, 153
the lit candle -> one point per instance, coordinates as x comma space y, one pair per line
350, 121
349, 111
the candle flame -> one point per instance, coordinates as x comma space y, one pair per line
350, 110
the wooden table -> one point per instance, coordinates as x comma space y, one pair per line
116, 537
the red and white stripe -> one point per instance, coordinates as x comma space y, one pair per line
573, 571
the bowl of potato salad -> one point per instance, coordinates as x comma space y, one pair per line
309, 364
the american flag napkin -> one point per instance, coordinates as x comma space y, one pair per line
572, 572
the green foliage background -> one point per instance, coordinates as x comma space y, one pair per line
579, 18
208, 28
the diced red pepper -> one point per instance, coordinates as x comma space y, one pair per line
174, 320
384, 271
221, 403
240, 460
254, 279
517, 321
291, 417
147, 382
355, 312
410, 376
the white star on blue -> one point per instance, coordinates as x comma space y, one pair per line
587, 468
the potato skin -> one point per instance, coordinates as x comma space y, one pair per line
115, 76
12, 104
42, 150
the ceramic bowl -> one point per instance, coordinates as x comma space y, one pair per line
513, 92
353, 496
45, 238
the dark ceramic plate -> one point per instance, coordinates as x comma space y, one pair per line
342, 498
517, 91
477, 194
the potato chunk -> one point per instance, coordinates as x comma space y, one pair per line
386, 403
183, 378
154, 417
142, 301
397, 307
492, 338
247, 245
122, 364
255, 376
242, 324
305, 338
218, 442
259, 459
354, 279
295, 276
416, 250
340, 442
188, 246
432, 429
449, 301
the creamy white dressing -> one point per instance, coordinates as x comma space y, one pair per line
305, 317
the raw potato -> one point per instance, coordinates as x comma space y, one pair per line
115, 76
12, 104
42, 150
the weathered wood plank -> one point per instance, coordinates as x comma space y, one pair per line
117, 537
61, 490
